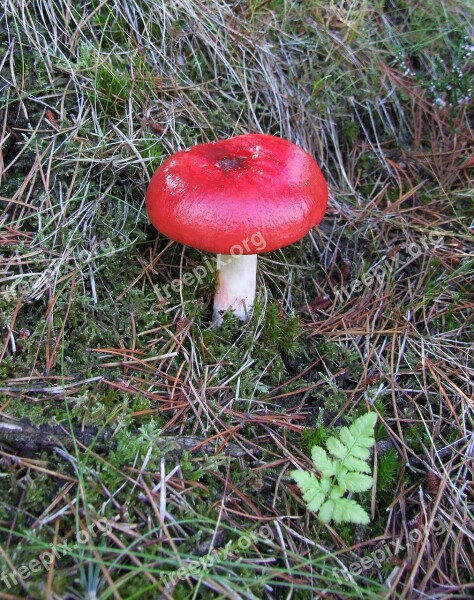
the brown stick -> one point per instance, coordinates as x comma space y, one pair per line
28, 440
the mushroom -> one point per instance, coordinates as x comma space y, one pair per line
237, 198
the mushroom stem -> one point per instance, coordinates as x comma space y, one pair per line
237, 275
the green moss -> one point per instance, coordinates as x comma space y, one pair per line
337, 357
329, 397
282, 332
315, 436
414, 436
388, 466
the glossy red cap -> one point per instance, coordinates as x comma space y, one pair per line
244, 195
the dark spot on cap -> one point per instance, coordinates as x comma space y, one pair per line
232, 163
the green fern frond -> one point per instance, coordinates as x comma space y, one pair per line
343, 510
346, 471
325, 464
314, 491
356, 464
355, 482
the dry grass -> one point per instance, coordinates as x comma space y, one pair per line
182, 436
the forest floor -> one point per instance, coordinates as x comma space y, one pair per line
144, 453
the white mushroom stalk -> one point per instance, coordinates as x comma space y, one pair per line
236, 282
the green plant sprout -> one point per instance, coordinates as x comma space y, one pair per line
347, 471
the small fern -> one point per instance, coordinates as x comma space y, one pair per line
346, 471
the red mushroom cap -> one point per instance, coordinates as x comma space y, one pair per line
223, 196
